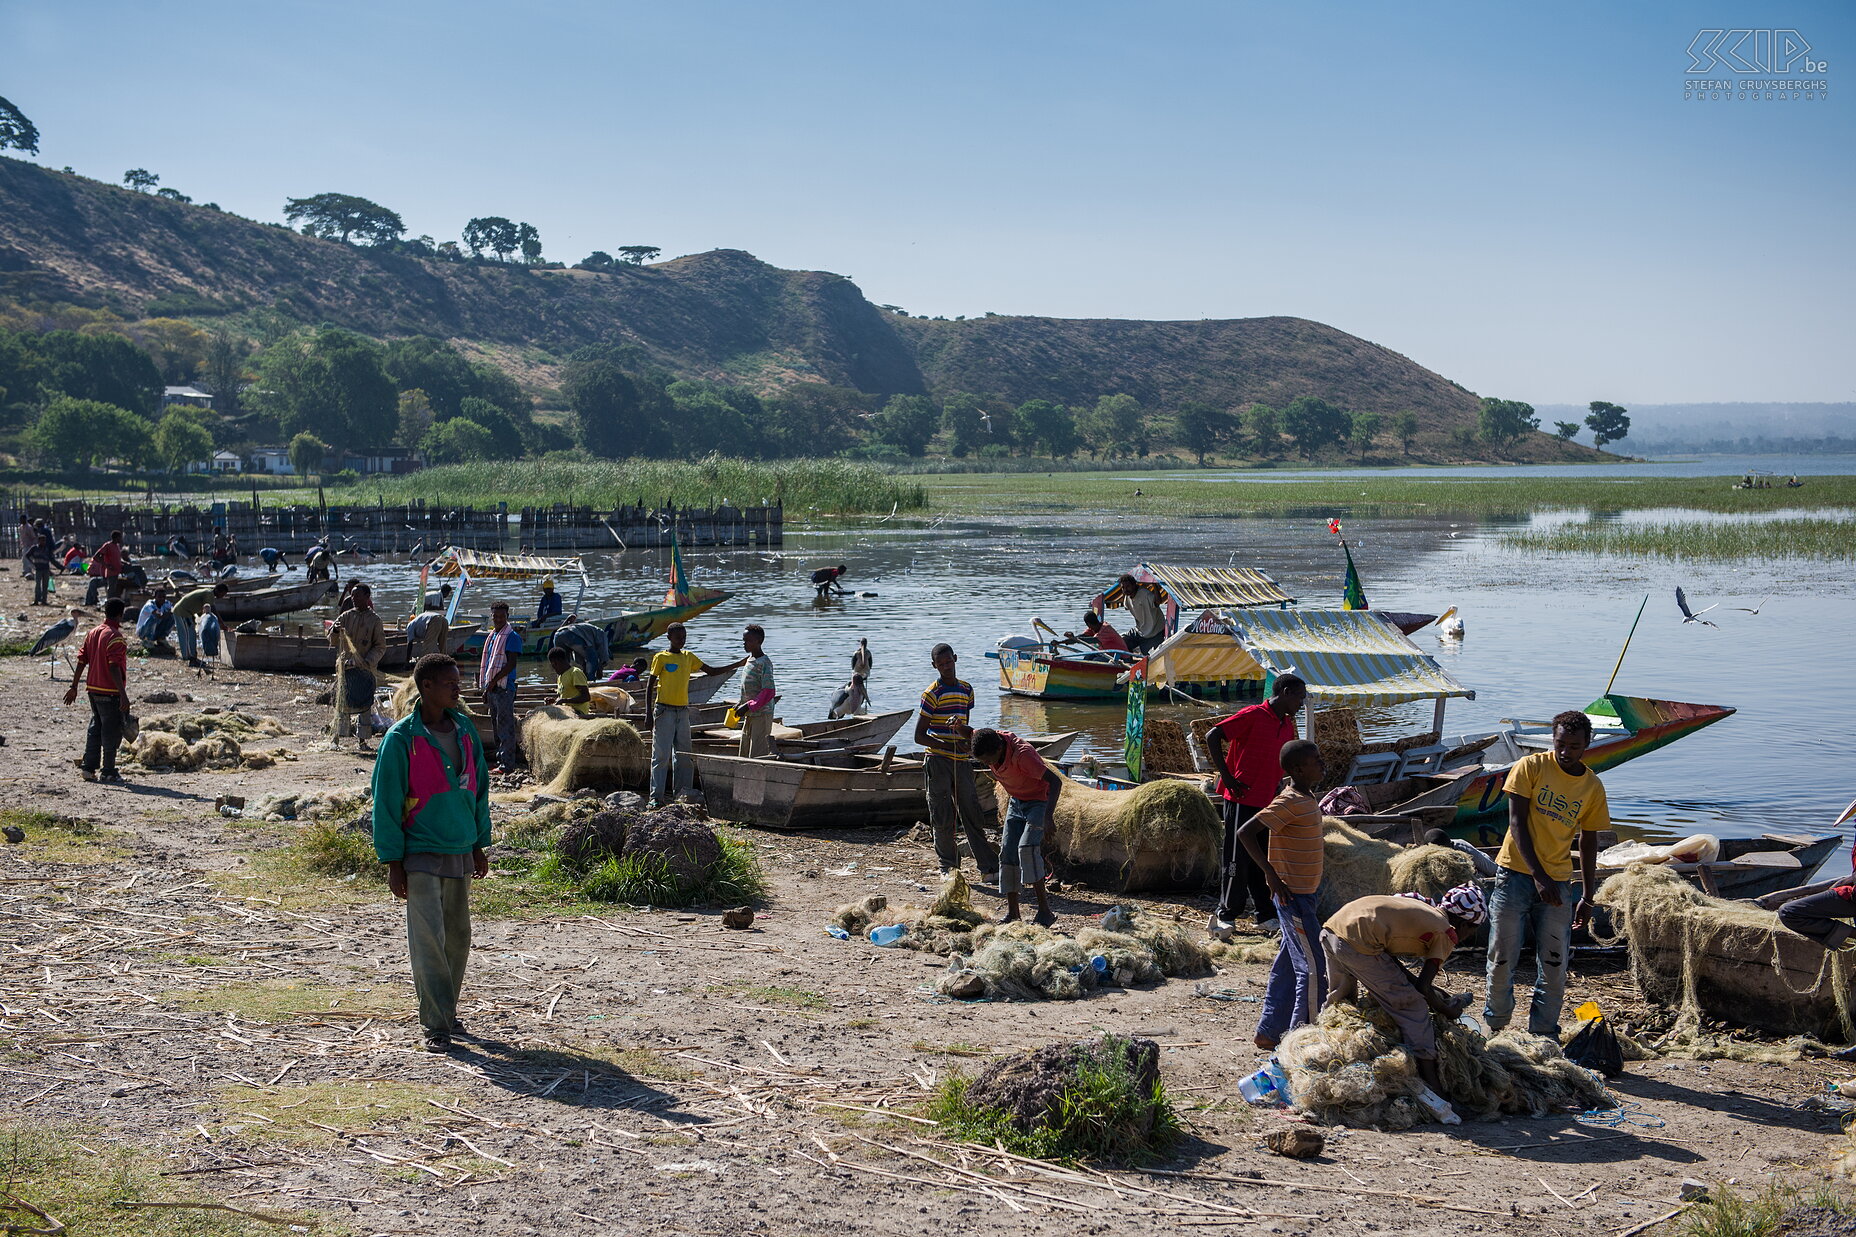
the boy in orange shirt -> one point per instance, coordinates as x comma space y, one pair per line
1291, 869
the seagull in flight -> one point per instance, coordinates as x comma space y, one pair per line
1752, 609
1689, 616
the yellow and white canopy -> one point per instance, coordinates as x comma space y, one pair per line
1347, 657
453, 562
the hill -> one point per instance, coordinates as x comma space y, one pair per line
722, 314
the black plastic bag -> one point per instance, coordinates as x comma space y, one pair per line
1595, 1046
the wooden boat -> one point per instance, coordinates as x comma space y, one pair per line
1623, 728
304, 648
814, 790
854, 733
262, 603
1751, 868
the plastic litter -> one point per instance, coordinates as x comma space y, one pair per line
836, 932
888, 935
1260, 1089
1439, 1107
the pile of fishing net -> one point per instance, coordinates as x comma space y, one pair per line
1350, 1068
185, 742
1161, 835
1024, 962
1731, 960
1358, 866
567, 752
310, 805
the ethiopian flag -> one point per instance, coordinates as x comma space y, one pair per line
1353, 597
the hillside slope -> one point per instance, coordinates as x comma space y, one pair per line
722, 314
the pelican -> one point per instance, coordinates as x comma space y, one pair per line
56, 635
1450, 625
861, 661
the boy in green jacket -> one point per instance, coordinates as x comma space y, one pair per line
431, 829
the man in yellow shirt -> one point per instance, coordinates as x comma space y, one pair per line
570, 686
1552, 798
671, 772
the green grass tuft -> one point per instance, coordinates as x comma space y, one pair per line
1103, 1114
647, 880
1727, 1213
1769, 539
336, 848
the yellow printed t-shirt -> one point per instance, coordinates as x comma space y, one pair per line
672, 672
571, 682
1561, 806
1384, 924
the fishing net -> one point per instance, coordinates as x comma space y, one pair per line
304, 805
186, 742
1358, 866
196, 726
1730, 960
1159, 836
1349, 1068
567, 752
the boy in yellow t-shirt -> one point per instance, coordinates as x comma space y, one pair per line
1552, 798
570, 686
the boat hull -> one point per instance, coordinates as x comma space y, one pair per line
624, 632
271, 602
1043, 677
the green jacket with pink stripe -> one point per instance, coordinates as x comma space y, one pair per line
423, 806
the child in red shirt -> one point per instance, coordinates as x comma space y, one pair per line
1032, 787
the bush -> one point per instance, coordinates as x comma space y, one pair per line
338, 848
1103, 1113
645, 879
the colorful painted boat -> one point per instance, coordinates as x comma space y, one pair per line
1623, 728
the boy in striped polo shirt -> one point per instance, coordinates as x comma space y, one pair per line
942, 730
1291, 868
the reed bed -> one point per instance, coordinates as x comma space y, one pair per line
824, 487
1693, 539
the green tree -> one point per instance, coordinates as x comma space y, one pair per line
1405, 425
1503, 420
458, 441
1265, 426
102, 366
179, 348
337, 216
611, 416
308, 454
80, 433
815, 418
1200, 427
1114, 426
714, 418
182, 438
493, 232
223, 370
16, 132
598, 260
1364, 428
140, 179
638, 255
1607, 421
964, 419
906, 421
529, 241
1313, 423
505, 434
330, 382
1565, 430
416, 417
172, 195
1049, 425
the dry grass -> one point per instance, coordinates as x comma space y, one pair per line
277, 1000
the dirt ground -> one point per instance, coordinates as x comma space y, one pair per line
171, 999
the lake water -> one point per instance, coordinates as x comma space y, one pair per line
1780, 466
1543, 632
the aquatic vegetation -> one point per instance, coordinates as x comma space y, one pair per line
1768, 539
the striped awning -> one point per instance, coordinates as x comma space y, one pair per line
1347, 657
1208, 588
453, 562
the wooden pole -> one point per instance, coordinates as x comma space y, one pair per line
1626, 648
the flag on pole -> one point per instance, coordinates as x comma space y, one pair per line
679, 593
1134, 739
1353, 596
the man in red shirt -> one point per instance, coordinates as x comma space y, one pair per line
106, 568
1033, 787
1100, 634
104, 664
1247, 748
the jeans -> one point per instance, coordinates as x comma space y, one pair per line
502, 706
1241, 883
438, 942
1389, 982
184, 636
1822, 917
1299, 976
42, 585
1517, 914
952, 795
670, 746
1021, 846
156, 631
105, 733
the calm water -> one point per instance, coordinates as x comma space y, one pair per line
1780, 466
1543, 633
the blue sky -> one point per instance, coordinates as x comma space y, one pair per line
1516, 197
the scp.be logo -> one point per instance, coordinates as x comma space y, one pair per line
1752, 51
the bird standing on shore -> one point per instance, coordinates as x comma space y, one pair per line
56, 635
861, 661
